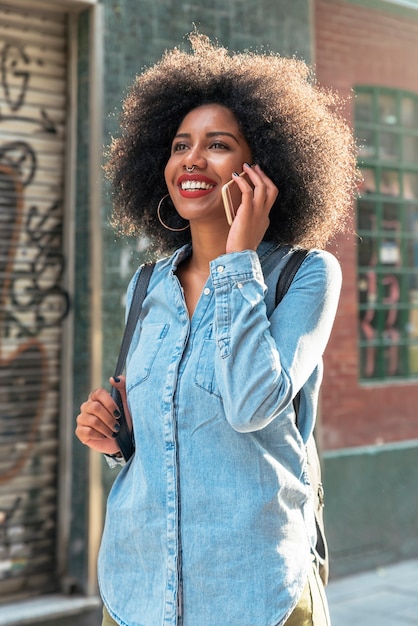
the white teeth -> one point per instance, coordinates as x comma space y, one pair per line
188, 185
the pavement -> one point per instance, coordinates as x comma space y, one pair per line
387, 596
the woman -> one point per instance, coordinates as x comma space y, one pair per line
211, 521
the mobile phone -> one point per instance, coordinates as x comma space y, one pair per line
232, 196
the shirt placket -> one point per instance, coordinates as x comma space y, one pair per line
172, 597
173, 602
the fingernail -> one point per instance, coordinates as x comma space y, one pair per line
116, 379
116, 427
235, 174
116, 413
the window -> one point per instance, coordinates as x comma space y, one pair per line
386, 123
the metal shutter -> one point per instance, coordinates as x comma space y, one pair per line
32, 302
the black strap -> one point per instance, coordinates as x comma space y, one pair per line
285, 280
125, 437
133, 315
289, 272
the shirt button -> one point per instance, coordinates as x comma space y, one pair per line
206, 291
220, 269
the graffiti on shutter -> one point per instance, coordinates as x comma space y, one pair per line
32, 300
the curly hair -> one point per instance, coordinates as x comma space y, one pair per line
294, 129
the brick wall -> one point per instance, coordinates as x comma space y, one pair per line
360, 46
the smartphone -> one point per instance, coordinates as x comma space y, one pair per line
232, 197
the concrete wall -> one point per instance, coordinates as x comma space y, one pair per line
371, 506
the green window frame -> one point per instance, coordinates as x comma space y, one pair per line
386, 127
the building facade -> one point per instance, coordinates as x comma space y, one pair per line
65, 66
367, 52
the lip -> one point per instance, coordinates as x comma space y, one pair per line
195, 193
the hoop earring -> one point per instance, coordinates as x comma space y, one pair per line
174, 230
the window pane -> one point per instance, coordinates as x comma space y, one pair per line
389, 252
389, 183
413, 359
368, 184
409, 109
392, 332
410, 149
412, 243
388, 146
366, 217
412, 219
390, 245
366, 225
410, 186
412, 256
363, 104
413, 330
367, 143
387, 110
391, 217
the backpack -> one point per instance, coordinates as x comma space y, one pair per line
314, 467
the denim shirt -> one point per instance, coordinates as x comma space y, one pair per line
211, 521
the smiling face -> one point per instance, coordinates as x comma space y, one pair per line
210, 140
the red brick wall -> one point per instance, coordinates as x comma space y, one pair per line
358, 46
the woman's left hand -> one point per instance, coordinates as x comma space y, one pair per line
252, 218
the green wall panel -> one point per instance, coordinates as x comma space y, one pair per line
371, 506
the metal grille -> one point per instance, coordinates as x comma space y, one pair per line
32, 302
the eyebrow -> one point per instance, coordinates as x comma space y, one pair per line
214, 133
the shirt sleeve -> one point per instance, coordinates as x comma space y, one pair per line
262, 363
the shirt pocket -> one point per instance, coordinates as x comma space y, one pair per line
143, 357
205, 370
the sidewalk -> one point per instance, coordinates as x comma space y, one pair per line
387, 596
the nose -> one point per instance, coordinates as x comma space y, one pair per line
195, 157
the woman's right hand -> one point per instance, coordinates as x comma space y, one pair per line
97, 422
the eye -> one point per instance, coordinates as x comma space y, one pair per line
219, 145
179, 146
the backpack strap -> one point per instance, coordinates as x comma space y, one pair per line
289, 272
285, 280
125, 437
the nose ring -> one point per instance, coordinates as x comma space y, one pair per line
190, 169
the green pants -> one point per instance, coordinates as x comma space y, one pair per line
311, 610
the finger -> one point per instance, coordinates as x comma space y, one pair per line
92, 440
262, 183
100, 412
95, 424
103, 397
269, 183
119, 382
255, 189
259, 178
